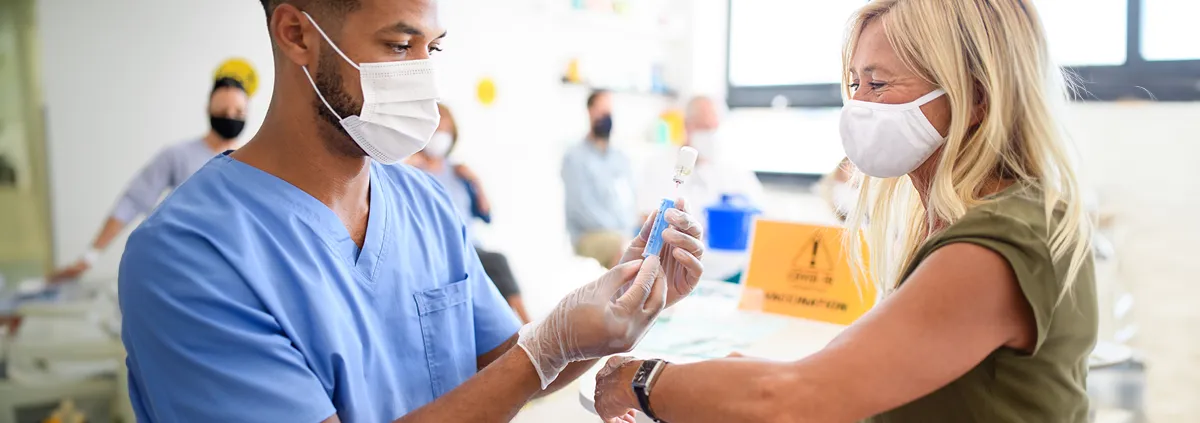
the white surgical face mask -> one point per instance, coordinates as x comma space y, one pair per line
705, 143
399, 111
439, 144
889, 140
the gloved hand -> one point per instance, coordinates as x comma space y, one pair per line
681, 252
605, 317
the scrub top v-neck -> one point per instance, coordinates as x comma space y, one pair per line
245, 299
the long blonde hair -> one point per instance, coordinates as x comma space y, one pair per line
989, 52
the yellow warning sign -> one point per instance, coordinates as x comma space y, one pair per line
801, 270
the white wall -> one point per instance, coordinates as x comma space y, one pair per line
122, 79
126, 77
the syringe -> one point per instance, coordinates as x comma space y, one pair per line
685, 163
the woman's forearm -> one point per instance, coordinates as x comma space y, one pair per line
112, 227
735, 390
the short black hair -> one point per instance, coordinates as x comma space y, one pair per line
338, 6
227, 82
594, 96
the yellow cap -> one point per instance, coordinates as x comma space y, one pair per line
240, 70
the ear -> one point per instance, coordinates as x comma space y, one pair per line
287, 29
981, 105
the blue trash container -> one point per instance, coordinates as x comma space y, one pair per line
729, 223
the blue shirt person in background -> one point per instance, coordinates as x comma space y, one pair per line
303, 279
599, 191
169, 168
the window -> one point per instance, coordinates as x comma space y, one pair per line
757, 33
1170, 30
1098, 40
1118, 49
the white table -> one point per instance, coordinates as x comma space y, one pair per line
786, 339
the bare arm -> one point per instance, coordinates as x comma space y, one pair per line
496, 394
568, 375
112, 227
481, 198
139, 197
506, 382
961, 304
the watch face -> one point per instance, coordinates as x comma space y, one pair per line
643, 373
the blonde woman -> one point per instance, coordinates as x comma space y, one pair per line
979, 239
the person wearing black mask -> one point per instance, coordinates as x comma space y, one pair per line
169, 168
599, 188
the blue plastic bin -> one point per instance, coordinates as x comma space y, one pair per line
729, 223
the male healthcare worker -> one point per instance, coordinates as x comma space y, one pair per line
304, 279
715, 174
169, 168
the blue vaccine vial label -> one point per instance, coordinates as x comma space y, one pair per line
655, 244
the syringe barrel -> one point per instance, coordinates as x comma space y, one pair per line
654, 245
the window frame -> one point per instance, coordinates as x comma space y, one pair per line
1136, 79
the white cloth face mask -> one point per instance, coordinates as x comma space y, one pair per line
439, 145
399, 111
889, 140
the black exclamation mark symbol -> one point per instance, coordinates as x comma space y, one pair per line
816, 246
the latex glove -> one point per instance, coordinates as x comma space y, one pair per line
605, 317
681, 253
615, 400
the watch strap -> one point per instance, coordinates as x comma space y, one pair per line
643, 383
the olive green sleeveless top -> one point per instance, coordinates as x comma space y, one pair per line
1048, 385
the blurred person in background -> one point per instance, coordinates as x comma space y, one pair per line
978, 241
170, 167
598, 183
304, 278
468, 196
714, 175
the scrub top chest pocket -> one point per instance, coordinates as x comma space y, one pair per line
446, 328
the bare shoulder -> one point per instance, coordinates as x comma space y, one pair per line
962, 279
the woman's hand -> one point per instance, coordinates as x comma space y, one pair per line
615, 400
682, 250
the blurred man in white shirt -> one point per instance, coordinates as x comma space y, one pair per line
715, 175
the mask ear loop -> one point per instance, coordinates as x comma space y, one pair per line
933, 95
318, 91
331, 44
339, 52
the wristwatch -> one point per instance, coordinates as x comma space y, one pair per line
643, 382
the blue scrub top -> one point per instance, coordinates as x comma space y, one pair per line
245, 299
